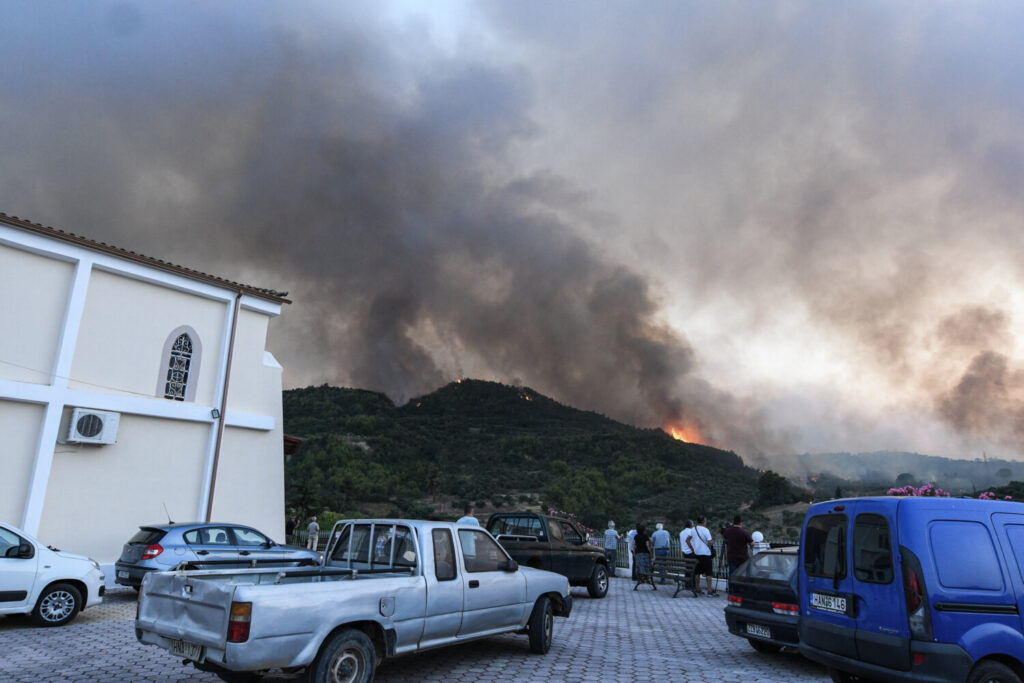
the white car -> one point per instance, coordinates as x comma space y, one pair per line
50, 584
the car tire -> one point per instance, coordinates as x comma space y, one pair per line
346, 656
763, 647
990, 671
542, 626
597, 587
57, 605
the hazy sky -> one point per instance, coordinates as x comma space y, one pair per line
784, 227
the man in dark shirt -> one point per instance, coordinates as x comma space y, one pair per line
737, 544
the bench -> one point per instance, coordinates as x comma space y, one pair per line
678, 569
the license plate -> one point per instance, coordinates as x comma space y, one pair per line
829, 603
760, 631
183, 648
121, 574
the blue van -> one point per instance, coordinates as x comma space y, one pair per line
914, 589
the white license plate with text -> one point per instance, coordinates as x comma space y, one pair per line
122, 574
829, 603
758, 630
183, 648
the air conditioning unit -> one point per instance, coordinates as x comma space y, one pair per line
93, 426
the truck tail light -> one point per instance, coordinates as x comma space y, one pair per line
915, 594
785, 608
238, 622
735, 600
152, 551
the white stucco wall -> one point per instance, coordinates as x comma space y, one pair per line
250, 482
19, 425
249, 377
98, 496
125, 326
35, 293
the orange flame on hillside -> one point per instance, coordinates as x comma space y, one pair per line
686, 435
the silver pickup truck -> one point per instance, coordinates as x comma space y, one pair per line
385, 587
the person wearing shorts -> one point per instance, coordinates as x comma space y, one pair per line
700, 542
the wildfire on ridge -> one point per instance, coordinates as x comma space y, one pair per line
687, 435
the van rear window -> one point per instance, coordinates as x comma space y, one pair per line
965, 556
825, 546
872, 549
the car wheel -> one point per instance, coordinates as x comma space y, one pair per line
598, 585
57, 605
993, 672
542, 626
763, 647
347, 657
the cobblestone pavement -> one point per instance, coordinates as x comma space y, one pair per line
628, 636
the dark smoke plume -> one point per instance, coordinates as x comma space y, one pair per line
779, 226
382, 194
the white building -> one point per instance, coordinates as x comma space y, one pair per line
128, 385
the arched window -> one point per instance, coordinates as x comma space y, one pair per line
180, 366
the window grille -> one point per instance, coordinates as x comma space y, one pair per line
178, 368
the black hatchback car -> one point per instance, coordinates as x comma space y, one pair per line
157, 547
764, 606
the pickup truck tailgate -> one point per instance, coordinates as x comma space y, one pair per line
176, 606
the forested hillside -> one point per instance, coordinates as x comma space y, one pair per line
500, 447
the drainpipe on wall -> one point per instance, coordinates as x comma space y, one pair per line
223, 406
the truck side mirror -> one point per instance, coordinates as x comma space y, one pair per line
510, 566
26, 551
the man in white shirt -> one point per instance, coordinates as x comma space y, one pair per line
684, 535
467, 517
700, 542
629, 544
611, 545
313, 534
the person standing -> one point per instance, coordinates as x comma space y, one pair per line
700, 543
611, 545
642, 557
738, 542
629, 548
661, 541
289, 529
467, 516
313, 533
686, 548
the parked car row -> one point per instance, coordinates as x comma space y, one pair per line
894, 589
54, 586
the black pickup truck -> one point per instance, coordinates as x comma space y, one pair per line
554, 544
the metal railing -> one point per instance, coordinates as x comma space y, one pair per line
721, 566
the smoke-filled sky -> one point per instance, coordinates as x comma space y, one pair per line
783, 227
